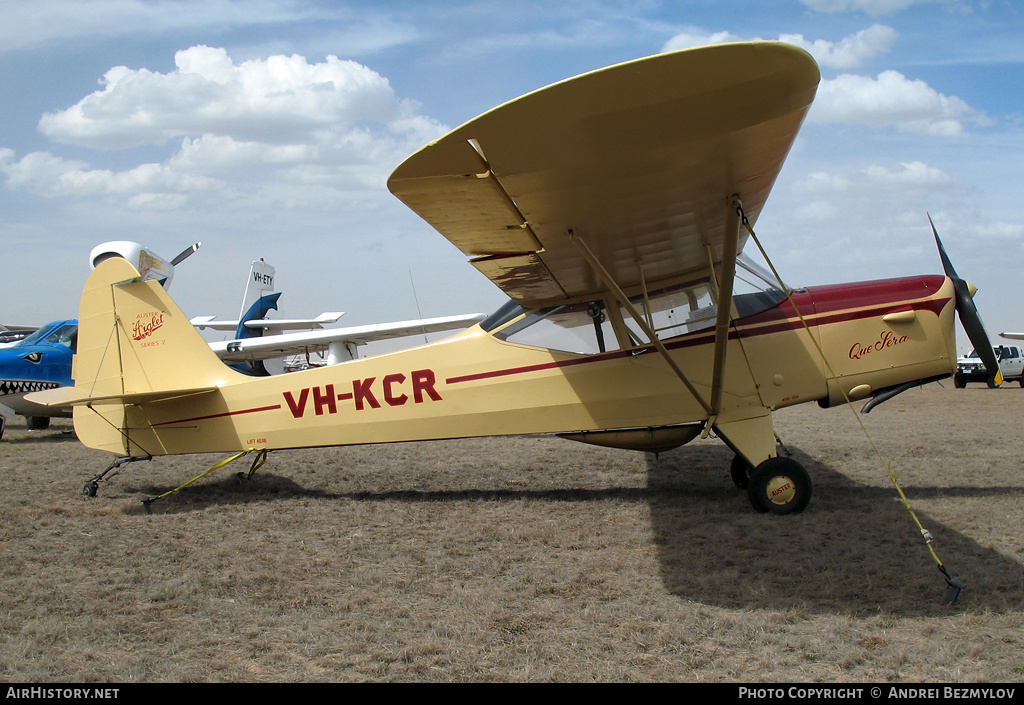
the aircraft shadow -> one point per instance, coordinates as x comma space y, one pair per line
36, 437
854, 550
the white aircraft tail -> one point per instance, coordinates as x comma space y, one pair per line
258, 298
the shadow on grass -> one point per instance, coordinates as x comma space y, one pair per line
31, 438
856, 549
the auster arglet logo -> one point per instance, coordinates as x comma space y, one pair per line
146, 324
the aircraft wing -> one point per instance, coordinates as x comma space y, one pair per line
287, 344
201, 322
9, 335
639, 160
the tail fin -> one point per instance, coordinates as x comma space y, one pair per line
258, 299
134, 345
257, 302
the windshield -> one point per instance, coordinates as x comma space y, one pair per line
64, 334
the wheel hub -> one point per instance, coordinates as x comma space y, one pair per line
781, 490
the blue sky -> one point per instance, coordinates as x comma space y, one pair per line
268, 128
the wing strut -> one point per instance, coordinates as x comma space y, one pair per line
725, 286
623, 300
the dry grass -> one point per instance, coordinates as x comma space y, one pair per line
525, 559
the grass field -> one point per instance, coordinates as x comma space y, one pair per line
526, 559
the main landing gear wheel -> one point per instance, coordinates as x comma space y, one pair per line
779, 486
740, 471
38, 423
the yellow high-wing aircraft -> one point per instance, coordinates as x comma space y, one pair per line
612, 209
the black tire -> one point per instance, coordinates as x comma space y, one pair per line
958, 381
37, 423
740, 471
779, 486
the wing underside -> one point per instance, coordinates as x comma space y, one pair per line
640, 161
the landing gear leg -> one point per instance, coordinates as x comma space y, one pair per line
774, 484
91, 488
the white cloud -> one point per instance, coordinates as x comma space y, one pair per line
895, 181
30, 23
851, 51
847, 53
269, 123
695, 38
279, 99
871, 7
891, 99
49, 175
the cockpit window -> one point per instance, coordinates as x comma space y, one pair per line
755, 289
580, 328
673, 311
588, 328
508, 311
66, 334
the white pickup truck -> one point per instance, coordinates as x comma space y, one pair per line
972, 369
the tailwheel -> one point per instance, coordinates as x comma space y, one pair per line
779, 486
740, 471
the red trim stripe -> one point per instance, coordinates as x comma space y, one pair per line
217, 416
702, 338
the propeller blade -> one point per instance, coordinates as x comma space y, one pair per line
184, 254
947, 266
970, 319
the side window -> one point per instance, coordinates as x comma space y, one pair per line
580, 328
673, 312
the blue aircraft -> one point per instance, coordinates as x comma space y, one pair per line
40, 361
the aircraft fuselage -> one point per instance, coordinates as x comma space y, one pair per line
874, 334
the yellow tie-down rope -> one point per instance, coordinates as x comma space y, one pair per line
954, 586
257, 463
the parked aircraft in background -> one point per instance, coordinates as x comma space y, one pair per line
40, 361
255, 343
9, 335
612, 208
